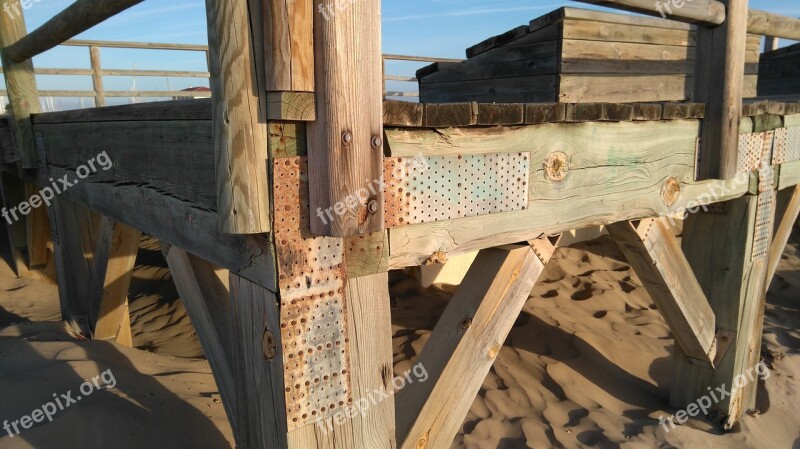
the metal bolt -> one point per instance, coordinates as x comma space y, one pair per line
372, 206
377, 142
347, 137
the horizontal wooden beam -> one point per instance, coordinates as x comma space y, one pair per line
74, 20
773, 25
709, 12
177, 222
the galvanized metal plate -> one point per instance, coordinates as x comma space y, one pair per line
762, 236
311, 277
436, 188
780, 146
792, 144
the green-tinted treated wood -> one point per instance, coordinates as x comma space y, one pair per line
286, 139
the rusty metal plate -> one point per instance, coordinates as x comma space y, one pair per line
311, 276
436, 188
751, 151
762, 236
792, 144
780, 146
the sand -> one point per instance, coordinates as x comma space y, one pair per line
588, 364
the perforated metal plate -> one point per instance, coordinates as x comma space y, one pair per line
311, 276
762, 236
787, 145
751, 151
435, 188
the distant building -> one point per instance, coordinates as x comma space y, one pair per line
199, 92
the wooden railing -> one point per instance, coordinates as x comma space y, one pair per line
97, 72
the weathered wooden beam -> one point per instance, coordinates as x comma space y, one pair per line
203, 289
289, 45
72, 21
709, 12
37, 232
257, 367
656, 257
790, 199
97, 77
177, 222
732, 276
239, 120
465, 343
773, 25
20, 86
114, 271
345, 143
719, 83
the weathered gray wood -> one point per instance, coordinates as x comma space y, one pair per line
402, 113
775, 25
709, 12
177, 222
448, 115
180, 110
75, 19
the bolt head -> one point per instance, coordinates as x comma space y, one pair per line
377, 142
372, 206
347, 137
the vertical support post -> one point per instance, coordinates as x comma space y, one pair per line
37, 232
288, 45
97, 77
345, 144
21, 88
719, 83
240, 130
771, 43
733, 279
115, 269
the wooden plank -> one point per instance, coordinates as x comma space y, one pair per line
298, 106
720, 84
289, 45
116, 274
623, 162
37, 232
21, 89
203, 289
680, 111
257, 366
586, 30
239, 125
647, 111
733, 282
371, 425
175, 157
500, 113
157, 111
346, 142
632, 88
286, 139
449, 115
464, 345
72, 21
607, 17
534, 89
402, 113
177, 222
789, 175
537, 113
697, 11
602, 112
656, 257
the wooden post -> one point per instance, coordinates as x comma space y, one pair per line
465, 343
732, 276
97, 77
21, 88
115, 269
240, 134
345, 144
37, 232
771, 43
288, 45
719, 82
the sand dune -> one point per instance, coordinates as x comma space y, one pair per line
588, 364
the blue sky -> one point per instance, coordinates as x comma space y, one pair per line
442, 28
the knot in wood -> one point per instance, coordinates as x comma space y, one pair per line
670, 191
269, 345
556, 166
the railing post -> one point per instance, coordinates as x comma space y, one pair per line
719, 83
771, 43
21, 88
97, 77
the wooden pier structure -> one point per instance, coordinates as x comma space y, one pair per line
282, 202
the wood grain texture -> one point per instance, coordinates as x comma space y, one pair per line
464, 345
343, 157
769, 24
720, 84
656, 257
709, 12
239, 121
289, 45
97, 77
299, 106
791, 210
72, 21
369, 327
117, 273
21, 89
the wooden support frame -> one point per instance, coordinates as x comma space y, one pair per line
733, 281
345, 143
116, 252
239, 118
466, 341
719, 83
786, 219
656, 257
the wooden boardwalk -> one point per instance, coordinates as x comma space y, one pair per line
282, 203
